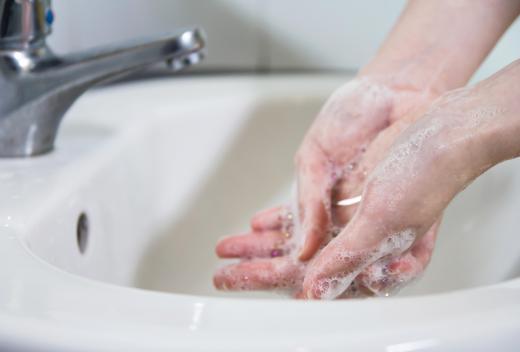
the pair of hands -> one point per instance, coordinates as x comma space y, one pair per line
407, 158
380, 136
349, 138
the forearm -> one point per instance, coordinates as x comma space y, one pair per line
438, 44
493, 108
464, 133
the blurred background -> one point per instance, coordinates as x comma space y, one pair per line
253, 35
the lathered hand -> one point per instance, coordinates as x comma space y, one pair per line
268, 261
463, 134
351, 134
434, 47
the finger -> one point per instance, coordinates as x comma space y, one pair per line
389, 275
315, 228
314, 197
270, 219
250, 245
260, 274
334, 269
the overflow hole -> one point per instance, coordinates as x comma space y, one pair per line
82, 232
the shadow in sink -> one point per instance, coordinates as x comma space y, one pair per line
256, 172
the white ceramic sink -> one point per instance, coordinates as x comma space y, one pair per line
161, 169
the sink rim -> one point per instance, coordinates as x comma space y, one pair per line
144, 311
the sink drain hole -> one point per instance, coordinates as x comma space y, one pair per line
82, 232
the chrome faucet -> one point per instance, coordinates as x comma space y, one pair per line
37, 87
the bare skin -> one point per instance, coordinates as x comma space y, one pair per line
370, 116
387, 240
463, 134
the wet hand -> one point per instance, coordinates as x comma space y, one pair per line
269, 261
463, 134
351, 134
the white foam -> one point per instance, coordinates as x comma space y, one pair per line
381, 282
393, 245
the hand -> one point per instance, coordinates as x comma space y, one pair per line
464, 133
350, 135
354, 118
268, 262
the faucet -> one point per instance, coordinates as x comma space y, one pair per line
37, 87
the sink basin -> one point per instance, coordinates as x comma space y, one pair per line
109, 240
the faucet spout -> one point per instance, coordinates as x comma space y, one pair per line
184, 48
38, 87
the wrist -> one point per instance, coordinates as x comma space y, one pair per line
496, 109
477, 127
414, 74
411, 92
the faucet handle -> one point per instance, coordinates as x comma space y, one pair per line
24, 22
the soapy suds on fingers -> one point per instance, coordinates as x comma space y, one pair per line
333, 286
364, 117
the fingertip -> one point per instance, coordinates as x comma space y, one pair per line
310, 247
256, 224
309, 292
258, 221
216, 282
227, 278
305, 254
269, 219
219, 280
238, 246
315, 229
222, 248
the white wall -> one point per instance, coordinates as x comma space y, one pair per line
252, 34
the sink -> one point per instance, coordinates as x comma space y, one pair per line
160, 185
117, 227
